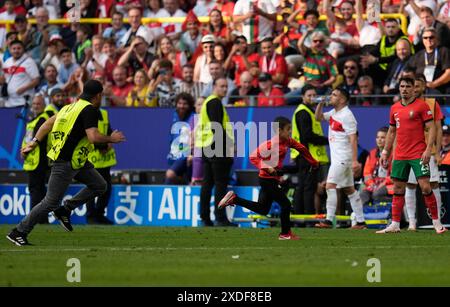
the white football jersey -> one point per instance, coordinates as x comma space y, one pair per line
341, 125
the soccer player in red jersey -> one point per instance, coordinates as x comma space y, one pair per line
268, 158
408, 118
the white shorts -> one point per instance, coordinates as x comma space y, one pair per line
434, 172
341, 174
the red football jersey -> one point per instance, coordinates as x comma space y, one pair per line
410, 123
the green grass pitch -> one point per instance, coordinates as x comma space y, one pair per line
156, 256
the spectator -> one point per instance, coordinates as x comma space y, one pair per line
82, 48
240, 58
21, 74
137, 56
336, 47
51, 82
9, 13
191, 37
257, 17
445, 151
226, 7
109, 48
69, 34
136, 29
218, 27
137, 97
351, 74
164, 87
245, 94
273, 63
88, 8
171, 9
10, 37
311, 18
269, 95
428, 20
320, 68
220, 53
37, 4
118, 91
98, 59
166, 50
74, 87
204, 7
346, 10
216, 71
433, 62
411, 9
40, 35
153, 10
403, 54
367, 88
444, 13
180, 146
188, 85
390, 6
117, 28
377, 182
55, 46
384, 54
67, 66
201, 69
21, 25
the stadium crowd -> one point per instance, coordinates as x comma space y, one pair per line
266, 60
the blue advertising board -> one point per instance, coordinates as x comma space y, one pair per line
133, 205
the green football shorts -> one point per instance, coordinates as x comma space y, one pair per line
401, 169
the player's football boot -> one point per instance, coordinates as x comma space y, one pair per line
18, 238
360, 226
440, 230
288, 236
227, 200
324, 224
63, 216
390, 229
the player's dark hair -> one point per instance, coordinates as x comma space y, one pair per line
407, 80
420, 77
282, 121
383, 129
306, 88
344, 92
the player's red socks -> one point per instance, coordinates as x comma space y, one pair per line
398, 201
431, 203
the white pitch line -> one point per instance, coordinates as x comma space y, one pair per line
138, 249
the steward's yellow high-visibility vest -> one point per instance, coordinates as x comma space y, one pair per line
98, 159
65, 120
317, 151
204, 135
32, 159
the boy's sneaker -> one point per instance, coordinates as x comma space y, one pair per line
63, 216
390, 229
324, 224
227, 200
288, 236
18, 238
440, 230
359, 226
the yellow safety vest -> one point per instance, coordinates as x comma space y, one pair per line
65, 120
389, 51
317, 151
204, 135
50, 108
32, 159
98, 159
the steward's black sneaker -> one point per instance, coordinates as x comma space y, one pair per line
63, 216
18, 238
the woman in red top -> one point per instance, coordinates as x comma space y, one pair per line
268, 158
166, 50
218, 27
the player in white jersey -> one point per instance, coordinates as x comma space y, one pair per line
344, 157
